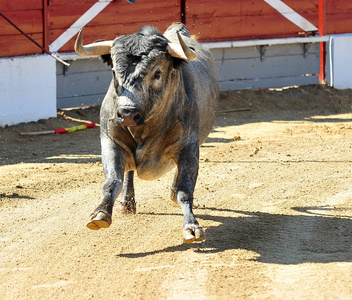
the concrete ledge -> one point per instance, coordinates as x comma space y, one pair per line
339, 61
27, 89
267, 42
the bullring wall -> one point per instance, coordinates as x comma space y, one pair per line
86, 80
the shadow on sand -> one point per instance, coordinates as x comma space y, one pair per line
277, 239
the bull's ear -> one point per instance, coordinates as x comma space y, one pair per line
107, 60
106, 57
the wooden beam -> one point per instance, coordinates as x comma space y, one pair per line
322, 31
291, 15
45, 25
89, 15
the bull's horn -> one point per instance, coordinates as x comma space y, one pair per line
181, 50
99, 48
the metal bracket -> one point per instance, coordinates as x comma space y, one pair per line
65, 69
305, 49
262, 50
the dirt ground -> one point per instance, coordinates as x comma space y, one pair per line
274, 195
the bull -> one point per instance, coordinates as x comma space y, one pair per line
158, 110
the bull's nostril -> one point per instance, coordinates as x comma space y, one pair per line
137, 117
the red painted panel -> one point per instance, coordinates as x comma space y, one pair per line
15, 45
7, 5
30, 21
69, 2
303, 6
338, 16
119, 17
236, 20
241, 19
239, 28
339, 23
63, 16
210, 20
338, 6
152, 12
92, 34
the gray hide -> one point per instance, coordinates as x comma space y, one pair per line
149, 135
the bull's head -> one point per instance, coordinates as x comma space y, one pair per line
144, 69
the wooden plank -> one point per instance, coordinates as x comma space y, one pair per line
150, 11
338, 6
338, 23
30, 21
45, 25
292, 16
12, 42
118, 18
20, 5
303, 6
125, 3
236, 20
15, 45
108, 17
338, 16
69, 2
115, 13
64, 16
81, 22
108, 32
226, 8
242, 28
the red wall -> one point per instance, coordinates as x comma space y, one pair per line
210, 20
242, 19
26, 14
119, 17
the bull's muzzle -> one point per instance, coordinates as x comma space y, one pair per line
129, 117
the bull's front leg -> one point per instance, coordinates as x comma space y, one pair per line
184, 184
113, 164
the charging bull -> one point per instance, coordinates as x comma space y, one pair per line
159, 108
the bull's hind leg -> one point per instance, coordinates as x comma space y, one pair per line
188, 165
113, 164
128, 202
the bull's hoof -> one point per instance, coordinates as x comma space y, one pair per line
128, 208
99, 220
191, 235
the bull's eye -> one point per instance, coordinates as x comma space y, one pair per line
134, 60
120, 90
157, 74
